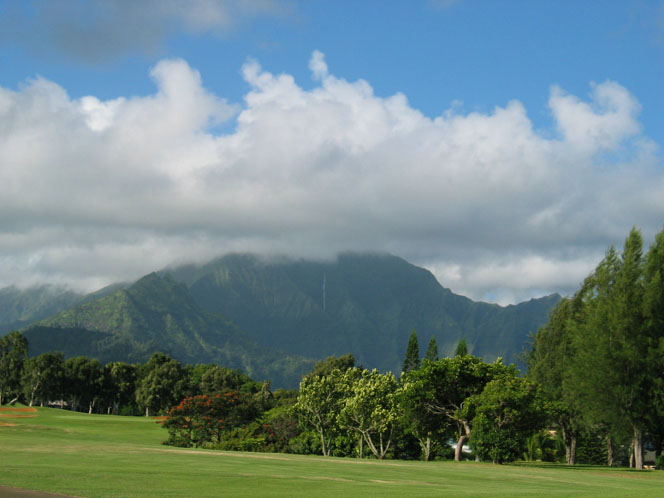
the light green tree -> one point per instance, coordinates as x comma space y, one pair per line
318, 403
369, 408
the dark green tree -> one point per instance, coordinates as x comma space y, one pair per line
417, 419
432, 350
549, 364
83, 380
120, 384
462, 348
13, 353
164, 383
43, 377
507, 412
412, 358
446, 384
653, 312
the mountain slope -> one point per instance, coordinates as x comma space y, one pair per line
19, 308
364, 304
159, 314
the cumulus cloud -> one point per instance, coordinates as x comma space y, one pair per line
96, 31
95, 191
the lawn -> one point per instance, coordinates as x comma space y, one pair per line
106, 456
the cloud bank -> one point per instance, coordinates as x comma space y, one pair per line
96, 191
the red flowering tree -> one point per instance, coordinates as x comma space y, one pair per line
203, 419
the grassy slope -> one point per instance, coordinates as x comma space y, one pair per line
106, 456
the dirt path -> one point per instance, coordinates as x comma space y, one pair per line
7, 492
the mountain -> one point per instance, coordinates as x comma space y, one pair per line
361, 303
273, 318
159, 314
20, 307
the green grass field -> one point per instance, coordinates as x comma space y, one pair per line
105, 456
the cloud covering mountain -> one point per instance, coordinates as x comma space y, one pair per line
94, 191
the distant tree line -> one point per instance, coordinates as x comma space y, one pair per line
340, 409
600, 358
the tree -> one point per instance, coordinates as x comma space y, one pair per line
202, 419
370, 408
43, 378
120, 382
83, 378
218, 379
432, 350
418, 420
653, 314
549, 364
13, 353
318, 403
462, 348
343, 363
164, 383
446, 384
412, 359
505, 414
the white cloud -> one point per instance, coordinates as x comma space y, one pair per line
93, 191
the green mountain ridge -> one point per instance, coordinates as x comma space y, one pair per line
274, 318
20, 307
158, 314
366, 304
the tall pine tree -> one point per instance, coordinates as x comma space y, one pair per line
412, 359
432, 350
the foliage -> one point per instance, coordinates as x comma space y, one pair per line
412, 358
462, 348
599, 357
164, 383
369, 408
508, 411
432, 350
318, 403
446, 384
13, 353
202, 419
43, 378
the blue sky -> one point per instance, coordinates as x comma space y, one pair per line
524, 138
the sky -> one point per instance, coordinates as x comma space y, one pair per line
502, 145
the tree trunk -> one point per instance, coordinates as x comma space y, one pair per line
361, 446
569, 438
457, 450
462, 440
147, 411
637, 445
425, 444
326, 450
609, 450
